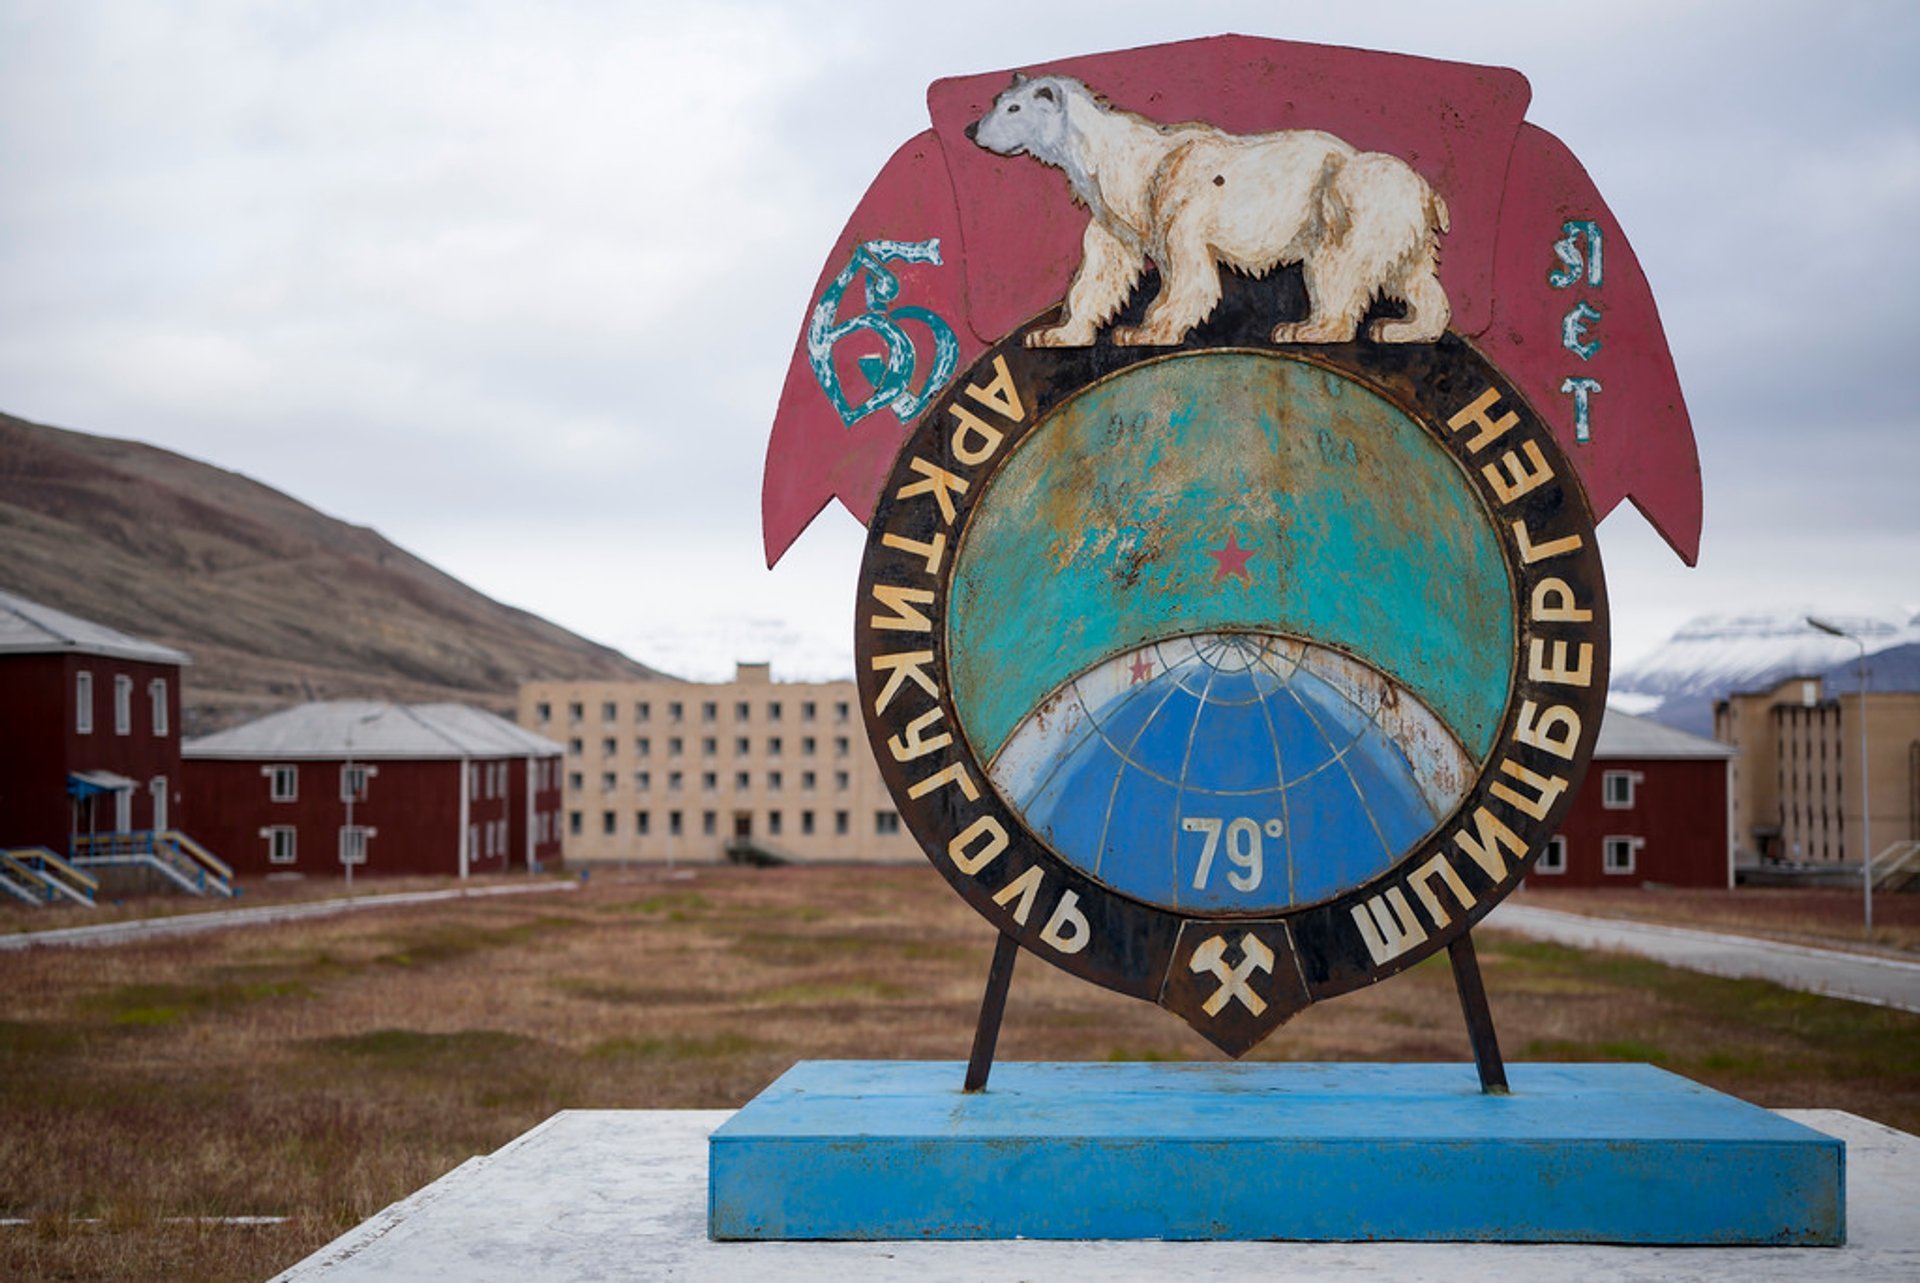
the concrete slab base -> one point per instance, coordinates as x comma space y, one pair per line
1577, 1153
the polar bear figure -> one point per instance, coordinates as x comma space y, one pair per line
1362, 225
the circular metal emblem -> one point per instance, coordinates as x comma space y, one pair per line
1229, 675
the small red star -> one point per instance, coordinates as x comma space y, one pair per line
1142, 670
1232, 559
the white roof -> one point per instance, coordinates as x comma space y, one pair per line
28, 628
371, 730
1624, 735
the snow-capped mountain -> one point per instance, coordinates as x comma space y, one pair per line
1714, 655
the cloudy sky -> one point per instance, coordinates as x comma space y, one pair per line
516, 283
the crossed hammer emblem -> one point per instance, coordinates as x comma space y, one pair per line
1212, 956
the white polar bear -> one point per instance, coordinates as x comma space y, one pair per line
1361, 224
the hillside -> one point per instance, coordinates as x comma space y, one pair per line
276, 602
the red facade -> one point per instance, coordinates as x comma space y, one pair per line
67, 713
290, 816
1644, 820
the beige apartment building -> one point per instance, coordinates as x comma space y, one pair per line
663, 770
1796, 783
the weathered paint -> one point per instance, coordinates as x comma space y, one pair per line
1510, 188
1577, 1153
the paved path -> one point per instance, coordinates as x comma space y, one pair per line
1862, 977
186, 924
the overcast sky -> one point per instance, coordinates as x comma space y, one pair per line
516, 283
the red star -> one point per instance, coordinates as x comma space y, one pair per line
1232, 559
1142, 670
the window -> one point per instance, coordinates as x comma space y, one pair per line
743, 712
642, 711
709, 747
642, 823
773, 746
806, 822
353, 783
609, 747
840, 711
676, 711
742, 746
708, 823
1554, 858
83, 703
676, 746
543, 712
1617, 855
773, 823
710, 712
122, 704
808, 710
885, 822
773, 711
283, 783
280, 844
840, 823
608, 712
839, 781
643, 780
773, 781
575, 712
1616, 790
576, 781
806, 781
157, 700
573, 823
839, 746
674, 827
742, 781
807, 746
353, 843
575, 746
709, 780
643, 747
609, 823
674, 781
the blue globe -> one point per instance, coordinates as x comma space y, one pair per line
1232, 771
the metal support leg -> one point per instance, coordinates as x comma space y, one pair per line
1473, 1005
993, 1005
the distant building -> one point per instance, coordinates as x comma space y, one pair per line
1796, 794
91, 742
393, 789
673, 770
1653, 809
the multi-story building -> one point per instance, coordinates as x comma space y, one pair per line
1796, 794
662, 769
1653, 809
385, 788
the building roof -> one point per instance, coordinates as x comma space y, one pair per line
369, 730
28, 628
1622, 735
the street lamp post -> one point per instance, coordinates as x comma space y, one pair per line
1866, 814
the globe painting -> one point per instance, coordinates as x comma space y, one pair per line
1232, 632
1232, 771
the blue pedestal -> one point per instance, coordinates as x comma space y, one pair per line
1578, 1153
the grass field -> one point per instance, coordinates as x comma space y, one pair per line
319, 1070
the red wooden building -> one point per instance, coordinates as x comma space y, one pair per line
91, 742
1653, 809
387, 788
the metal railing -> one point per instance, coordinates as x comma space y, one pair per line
1897, 867
171, 853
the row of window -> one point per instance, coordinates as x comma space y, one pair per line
122, 704
884, 823
1617, 855
709, 781
283, 782
710, 746
283, 843
676, 711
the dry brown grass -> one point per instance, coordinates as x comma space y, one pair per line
320, 1070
